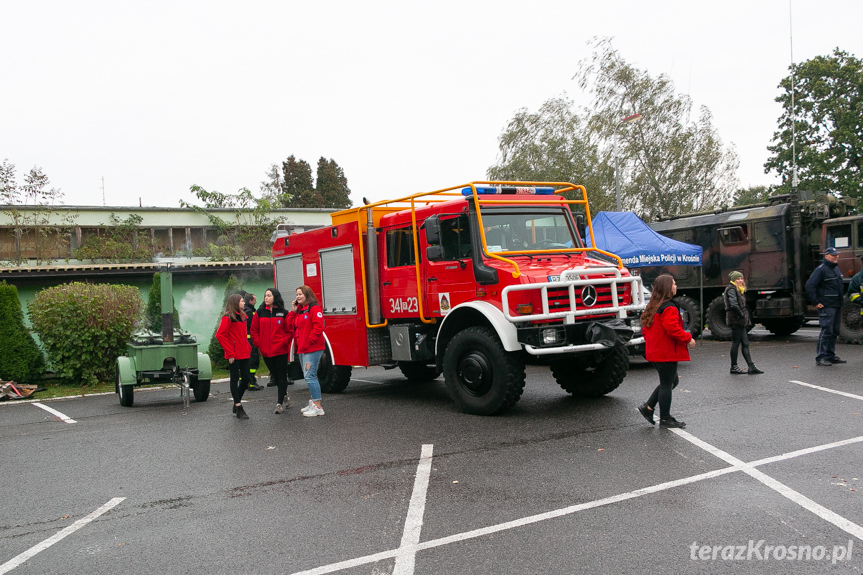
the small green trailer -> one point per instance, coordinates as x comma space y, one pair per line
171, 356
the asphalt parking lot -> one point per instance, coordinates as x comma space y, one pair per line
766, 478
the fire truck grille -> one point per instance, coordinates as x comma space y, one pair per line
558, 299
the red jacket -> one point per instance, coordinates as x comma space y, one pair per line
665, 339
270, 331
233, 337
307, 327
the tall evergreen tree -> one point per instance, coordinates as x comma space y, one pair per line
332, 185
298, 187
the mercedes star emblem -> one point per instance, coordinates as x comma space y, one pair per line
588, 296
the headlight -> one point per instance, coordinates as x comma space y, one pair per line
551, 336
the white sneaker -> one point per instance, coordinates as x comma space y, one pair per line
313, 411
308, 407
279, 408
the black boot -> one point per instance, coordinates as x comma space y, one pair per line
671, 422
753, 370
241, 413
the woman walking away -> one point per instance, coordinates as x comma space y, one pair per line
235, 341
665, 343
306, 324
270, 335
737, 318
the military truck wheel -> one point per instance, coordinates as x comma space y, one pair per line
716, 320
783, 327
417, 371
594, 376
481, 376
851, 327
333, 378
691, 314
126, 392
201, 388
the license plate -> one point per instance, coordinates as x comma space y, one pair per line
554, 278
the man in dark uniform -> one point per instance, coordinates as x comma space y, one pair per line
825, 290
255, 359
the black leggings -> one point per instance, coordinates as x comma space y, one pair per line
239, 370
278, 366
668, 380
741, 339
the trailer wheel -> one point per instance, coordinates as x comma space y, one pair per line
481, 376
200, 387
595, 376
716, 320
126, 392
332, 378
691, 314
418, 371
851, 328
785, 326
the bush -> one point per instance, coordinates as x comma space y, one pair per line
154, 306
215, 351
21, 360
84, 327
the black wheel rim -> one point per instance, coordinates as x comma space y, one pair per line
475, 374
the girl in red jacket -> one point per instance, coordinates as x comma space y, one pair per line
665, 343
306, 323
270, 335
234, 339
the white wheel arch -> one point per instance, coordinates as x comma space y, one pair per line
504, 328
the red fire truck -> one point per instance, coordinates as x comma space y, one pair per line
471, 281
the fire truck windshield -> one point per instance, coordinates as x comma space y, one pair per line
527, 228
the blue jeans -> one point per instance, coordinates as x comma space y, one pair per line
829, 318
310, 373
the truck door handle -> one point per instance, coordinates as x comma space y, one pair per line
432, 279
387, 283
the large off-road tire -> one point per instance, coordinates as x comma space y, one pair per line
783, 327
851, 328
200, 387
332, 378
125, 392
481, 376
716, 320
417, 371
593, 376
691, 314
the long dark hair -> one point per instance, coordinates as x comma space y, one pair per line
310, 295
232, 307
278, 300
662, 292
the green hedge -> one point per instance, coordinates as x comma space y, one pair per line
21, 359
84, 327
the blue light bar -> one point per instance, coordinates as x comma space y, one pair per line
509, 190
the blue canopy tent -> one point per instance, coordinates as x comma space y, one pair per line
637, 245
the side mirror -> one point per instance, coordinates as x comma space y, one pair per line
579, 225
434, 253
432, 225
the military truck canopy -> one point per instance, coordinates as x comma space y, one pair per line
624, 234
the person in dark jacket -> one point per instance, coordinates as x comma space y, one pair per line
255, 358
233, 338
737, 318
270, 335
306, 325
824, 289
665, 344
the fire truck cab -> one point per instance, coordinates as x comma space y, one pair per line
471, 281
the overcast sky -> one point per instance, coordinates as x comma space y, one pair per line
406, 96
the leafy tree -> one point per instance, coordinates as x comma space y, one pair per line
752, 195
298, 187
120, 242
271, 188
21, 360
554, 145
154, 306
828, 102
332, 185
215, 351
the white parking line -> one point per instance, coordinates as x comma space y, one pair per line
406, 558
65, 418
737, 466
798, 498
18, 560
827, 389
